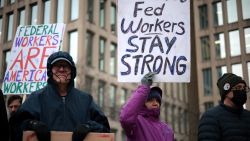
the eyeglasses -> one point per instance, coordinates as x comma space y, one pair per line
245, 88
64, 66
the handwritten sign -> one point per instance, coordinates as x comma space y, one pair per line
154, 36
32, 45
67, 136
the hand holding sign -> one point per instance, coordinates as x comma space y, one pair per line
148, 79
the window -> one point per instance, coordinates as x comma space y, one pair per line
10, 26
102, 13
33, 20
237, 69
88, 84
1, 24
219, 44
90, 11
245, 9
73, 45
232, 11
101, 91
217, 14
12, 1
112, 64
7, 58
186, 123
248, 71
46, 14
234, 41
21, 16
221, 70
74, 9
112, 97
89, 48
113, 18
205, 48
60, 11
176, 127
1, 3
123, 96
102, 54
166, 112
173, 117
203, 16
247, 39
207, 81
208, 105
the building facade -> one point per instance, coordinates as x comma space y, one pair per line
222, 33
90, 37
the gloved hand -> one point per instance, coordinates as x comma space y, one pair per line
148, 79
40, 128
80, 132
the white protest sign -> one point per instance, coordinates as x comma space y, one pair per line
154, 36
32, 45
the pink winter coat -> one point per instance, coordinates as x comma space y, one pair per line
140, 123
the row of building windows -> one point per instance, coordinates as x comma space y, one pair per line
218, 12
207, 75
22, 18
73, 50
177, 117
220, 46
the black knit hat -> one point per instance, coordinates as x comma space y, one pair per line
155, 92
226, 82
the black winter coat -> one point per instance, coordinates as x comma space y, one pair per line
223, 123
4, 126
61, 113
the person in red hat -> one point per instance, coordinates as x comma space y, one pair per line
228, 121
140, 116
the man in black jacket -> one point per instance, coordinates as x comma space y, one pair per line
228, 121
4, 126
60, 106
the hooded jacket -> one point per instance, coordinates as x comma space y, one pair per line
140, 123
60, 113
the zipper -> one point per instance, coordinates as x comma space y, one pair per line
63, 100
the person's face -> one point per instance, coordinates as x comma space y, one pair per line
61, 72
152, 104
14, 105
238, 94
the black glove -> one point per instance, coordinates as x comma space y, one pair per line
41, 129
80, 132
148, 79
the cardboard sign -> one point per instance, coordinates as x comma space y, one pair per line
67, 136
154, 36
32, 45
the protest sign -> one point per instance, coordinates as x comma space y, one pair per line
154, 36
67, 136
32, 45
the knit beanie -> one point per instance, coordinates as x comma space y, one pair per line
226, 82
155, 92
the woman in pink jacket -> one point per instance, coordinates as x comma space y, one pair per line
139, 117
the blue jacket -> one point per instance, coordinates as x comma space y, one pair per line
60, 113
64, 113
